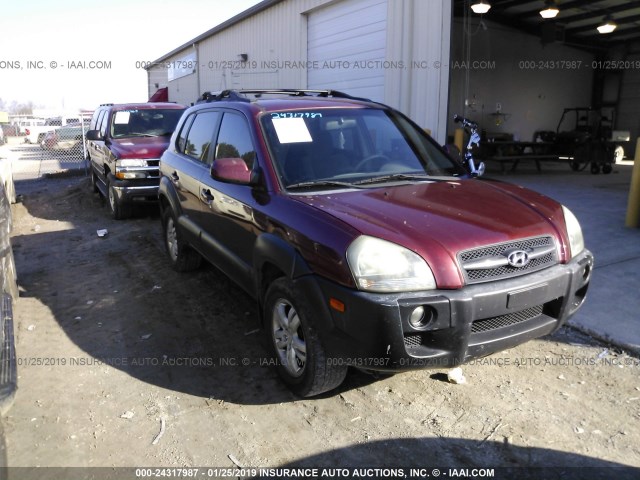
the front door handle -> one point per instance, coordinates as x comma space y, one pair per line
206, 196
175, 177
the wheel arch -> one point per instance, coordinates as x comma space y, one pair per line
273, 257
168, 197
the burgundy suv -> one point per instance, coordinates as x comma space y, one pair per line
363, 243
124, 145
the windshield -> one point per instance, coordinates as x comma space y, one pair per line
144, 122
351, 147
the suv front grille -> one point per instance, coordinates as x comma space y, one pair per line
491, 263
506, 320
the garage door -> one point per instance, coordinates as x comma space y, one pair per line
348, 39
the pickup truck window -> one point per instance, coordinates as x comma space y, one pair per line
104, 123
144, 122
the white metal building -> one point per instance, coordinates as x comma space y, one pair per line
387, 50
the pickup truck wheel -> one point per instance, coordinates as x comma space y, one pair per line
300, 357
183, 258
119, 210
94, 182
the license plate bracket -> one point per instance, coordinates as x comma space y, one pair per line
527, 297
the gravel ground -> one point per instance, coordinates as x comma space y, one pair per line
123, 362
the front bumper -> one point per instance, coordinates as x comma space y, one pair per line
374, 331
136, 191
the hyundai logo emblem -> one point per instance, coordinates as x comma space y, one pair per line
518, 258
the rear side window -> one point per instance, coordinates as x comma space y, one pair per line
234, 140
198, 140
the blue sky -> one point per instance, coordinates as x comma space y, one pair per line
46, 46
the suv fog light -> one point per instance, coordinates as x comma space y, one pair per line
417, 318
421, 317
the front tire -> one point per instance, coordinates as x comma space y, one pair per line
119, 210
182, 257
94, 181
301, 359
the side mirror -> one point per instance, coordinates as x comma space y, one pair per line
94, 135
233, 170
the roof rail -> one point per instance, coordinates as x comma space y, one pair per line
305, 92
233, 95
106, 104
240, 95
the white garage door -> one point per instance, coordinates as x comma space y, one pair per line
348, 39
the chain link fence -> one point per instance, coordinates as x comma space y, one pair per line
56, 146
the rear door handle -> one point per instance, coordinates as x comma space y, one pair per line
206, 196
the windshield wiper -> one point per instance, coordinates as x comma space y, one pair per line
321, 183
397, 176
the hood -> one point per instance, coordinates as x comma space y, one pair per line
437, 220
140, 147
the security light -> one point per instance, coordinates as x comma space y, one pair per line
480, 7
550, 10
608, 26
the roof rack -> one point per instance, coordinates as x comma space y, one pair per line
240, 95
208, 97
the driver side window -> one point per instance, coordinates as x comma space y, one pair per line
234, 140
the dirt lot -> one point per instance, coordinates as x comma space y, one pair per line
123, 362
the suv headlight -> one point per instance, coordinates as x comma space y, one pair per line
576, 240
381, 266
125, 169
131, 163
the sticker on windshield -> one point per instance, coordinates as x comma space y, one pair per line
291, 130
122, 118
296, 114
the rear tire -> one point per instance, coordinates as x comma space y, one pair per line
182, 257
295, 344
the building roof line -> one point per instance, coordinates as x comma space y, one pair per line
257, 8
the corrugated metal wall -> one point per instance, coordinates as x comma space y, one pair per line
419, 35
275, 42
156, 78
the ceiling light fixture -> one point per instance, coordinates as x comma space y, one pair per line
480, 7
550, 10
608, 26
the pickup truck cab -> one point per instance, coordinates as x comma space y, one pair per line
124, 145
362, 242
36, 133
